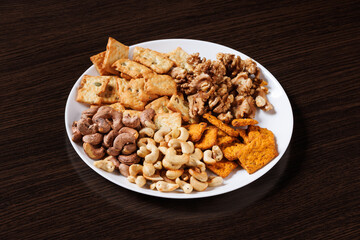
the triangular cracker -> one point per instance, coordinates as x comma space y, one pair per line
114, 51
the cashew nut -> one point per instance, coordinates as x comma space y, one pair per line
185, 146
173, 174
199, 175
197, 185
129, 149
89, 113
113, 160
122, 139
208, 157
145, 141
215, 181
92, 152
93, 139
142, 152
175, 133
163, 186
76, 137
146, 117
195, 160
186, 187
129, 130
158, 165
184, 134
148, 169
131, 122
102, 116
149, 132
105, 165
140, 181
129, 159
85, 126
109, 138
135, 169
159, 135
124, 169
154, 155
154, 178
217, 154
174, 159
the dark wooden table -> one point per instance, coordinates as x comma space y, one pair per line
311, 47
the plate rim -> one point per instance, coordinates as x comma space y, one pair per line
153, 193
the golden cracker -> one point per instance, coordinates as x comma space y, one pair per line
130, 92
178, 104
159, 105
114, 51
111, 93
172, 120
91, 88
98, 60
162, 85
152, 59
179, 57
131, 68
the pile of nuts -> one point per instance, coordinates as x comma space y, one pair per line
171, 162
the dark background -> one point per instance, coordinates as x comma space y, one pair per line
311, 47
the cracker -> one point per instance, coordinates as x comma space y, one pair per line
132, 94
91, 88
111, 93
179, 57
196, 131
259, 152
131, 68
226, 140
222, 168
117, 106
159, 105
162, 85
241, 122
172, 120
124, 75
114, 51
208, 139
152, 59
132, 113
178, 104
222, 126
98, 60
233, 151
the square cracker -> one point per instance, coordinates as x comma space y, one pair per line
233, 150
90, 89
132, 94
98, 60
222, 168
131, 68
162, 85
111, 93
177, 104
196, 131
114, 51
152, 59
179, 57
172, 120
159, 105
117, 106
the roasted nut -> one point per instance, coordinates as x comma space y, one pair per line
174, 159
184, 134
129, 159
159, 135
106, 117
208, 157
131, 122
185, 146
122, 139
145, 141
113, 160
76, 137
109, 138
148, 169
129, 149
146, 117
140, 181
93, 139
146, 132
173, 174
197, 185
129, 130
92, 152
142, 152
105, 165
163, 186
215, 181
217, 154
85, 126
199, 175
153, 156
124, 169
186, 187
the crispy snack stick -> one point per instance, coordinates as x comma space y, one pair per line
222, 126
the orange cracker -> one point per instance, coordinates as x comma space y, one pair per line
233, 151
218, 123
208, 139
259, 152
222, 168
196, 131
226, 140
241, 122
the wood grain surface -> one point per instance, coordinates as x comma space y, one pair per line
311, 47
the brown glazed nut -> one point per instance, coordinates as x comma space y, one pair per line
129, 159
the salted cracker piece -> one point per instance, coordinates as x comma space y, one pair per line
111, 93
98, 60
114, 51
179, 57
208, 139
172, 120
124, 75
233, 151
222, 168
259, 152
132, 94
221, 125
90, 89
241, 122
159, 105
152, 59
131, 68
162, 85
132, 113
178, 104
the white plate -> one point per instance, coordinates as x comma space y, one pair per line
279, 122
